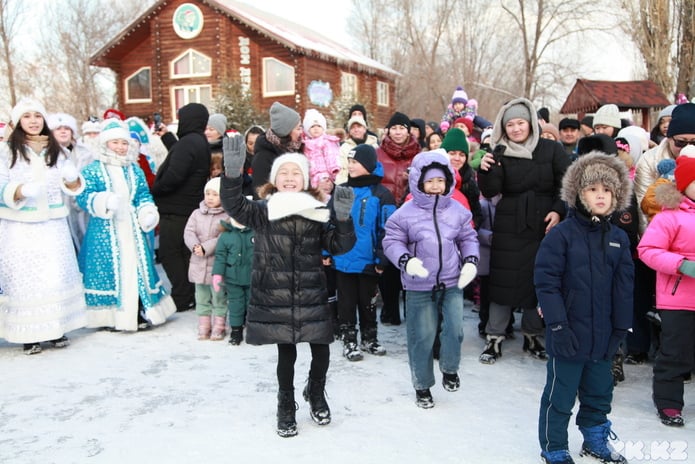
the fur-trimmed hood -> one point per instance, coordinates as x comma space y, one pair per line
596, 167
668, 196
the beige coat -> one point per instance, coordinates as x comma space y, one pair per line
646, 174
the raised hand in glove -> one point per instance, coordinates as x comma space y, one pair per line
31, 189
113, 202
216, 281
343, 197
564, 341
414, 267
69, 172
468, 273
687, 268
234, 150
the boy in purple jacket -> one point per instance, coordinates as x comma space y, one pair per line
431, 240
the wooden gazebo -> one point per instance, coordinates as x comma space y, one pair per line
588, 96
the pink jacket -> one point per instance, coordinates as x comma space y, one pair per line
323, 153
667, 241
203, 227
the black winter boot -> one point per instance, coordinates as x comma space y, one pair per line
534, 347
236, 335
350, 349
370, 343
314, 394
287, 424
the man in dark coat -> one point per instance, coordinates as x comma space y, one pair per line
178, 191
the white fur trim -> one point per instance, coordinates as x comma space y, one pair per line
284, 204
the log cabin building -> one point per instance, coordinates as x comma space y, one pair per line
179, 51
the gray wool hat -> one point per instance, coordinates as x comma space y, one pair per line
283, 119
518, 110
218, 122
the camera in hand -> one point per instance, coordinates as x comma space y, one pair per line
157, 121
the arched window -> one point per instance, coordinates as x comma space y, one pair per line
278, 78
138, 86
191, 64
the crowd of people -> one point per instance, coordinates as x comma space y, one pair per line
298, 232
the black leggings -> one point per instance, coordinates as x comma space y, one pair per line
287, 355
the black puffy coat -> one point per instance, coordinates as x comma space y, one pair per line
178, 187
289, 296
530, 189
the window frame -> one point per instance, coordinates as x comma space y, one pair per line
278, 93
127, 91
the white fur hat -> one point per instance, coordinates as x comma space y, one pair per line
57, 120
313, 117
296, 158
26, 105
112, 129
91, 127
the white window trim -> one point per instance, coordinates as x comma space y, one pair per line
354, 91
282, 92
190, 51
127, 93
385, 92
185, 88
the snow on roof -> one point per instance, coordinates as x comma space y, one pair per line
289, 34
296, 36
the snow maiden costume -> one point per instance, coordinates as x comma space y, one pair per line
116, 258
38, 269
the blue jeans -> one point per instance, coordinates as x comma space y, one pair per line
423, 310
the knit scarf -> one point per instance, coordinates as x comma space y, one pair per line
36, 142
285, 204
289, 147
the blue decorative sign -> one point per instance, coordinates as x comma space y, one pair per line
320, 93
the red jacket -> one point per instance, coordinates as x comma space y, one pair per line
396, 160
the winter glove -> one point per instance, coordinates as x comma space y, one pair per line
343, 197
31, 189
468, 273
234, 155
687, 268
69, 172
113, 202
617, 336
564, 341
148, 221
216, 281
415, 268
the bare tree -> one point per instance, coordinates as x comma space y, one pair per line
545, 24
11, 17
685, 48
650, 28
73, 31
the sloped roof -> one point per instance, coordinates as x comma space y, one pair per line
288, 34
588, 96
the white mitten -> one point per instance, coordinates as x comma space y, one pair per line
113, 202
468, 273
69, 172
415, 268
148, 221
31, 189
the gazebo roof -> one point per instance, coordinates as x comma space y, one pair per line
588, 96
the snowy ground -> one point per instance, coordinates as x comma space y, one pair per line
164, 397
